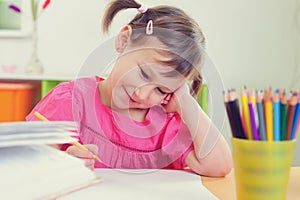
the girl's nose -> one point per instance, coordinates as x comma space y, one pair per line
142, 93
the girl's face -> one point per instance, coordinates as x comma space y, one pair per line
137, 80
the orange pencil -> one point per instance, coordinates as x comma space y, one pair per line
268, 115
77, 144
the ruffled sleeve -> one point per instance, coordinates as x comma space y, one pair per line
56, 105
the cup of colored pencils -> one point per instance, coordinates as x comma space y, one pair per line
264, 125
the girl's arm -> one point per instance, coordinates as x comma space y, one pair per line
211, 155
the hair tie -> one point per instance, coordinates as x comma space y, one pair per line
142, 9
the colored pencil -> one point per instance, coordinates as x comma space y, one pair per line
290, 116
268, 116
241, 118
245, 108
243, 125
264, 115
229, 114
234, 106
235, 96
77, 144
289, 95
253, 121
298, 125
276, 116
295, 120
253, 98
253, 101
283, 117
298, 122
261, 118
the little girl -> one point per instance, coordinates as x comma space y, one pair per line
143, 114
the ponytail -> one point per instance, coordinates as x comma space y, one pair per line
196, 85
113, 8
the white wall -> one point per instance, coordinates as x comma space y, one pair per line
253, 43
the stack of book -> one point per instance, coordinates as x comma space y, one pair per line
31, 169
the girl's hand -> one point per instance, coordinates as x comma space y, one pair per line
173, 102
84, 155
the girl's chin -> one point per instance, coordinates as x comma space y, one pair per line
137, 106
129, 105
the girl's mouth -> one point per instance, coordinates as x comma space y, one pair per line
130, 99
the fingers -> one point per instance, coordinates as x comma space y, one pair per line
184, 89
168, 97
75, 151
89, 163
173, 101
166, 100
92, 148
87, 156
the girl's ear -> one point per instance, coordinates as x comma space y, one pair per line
123, 38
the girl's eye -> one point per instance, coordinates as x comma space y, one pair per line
144, 74
161, 91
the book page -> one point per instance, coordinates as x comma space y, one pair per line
39, 171
37, 132
35, 126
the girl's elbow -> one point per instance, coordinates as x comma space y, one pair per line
221, 168
226, 165
225, 168
219, 171
212, 166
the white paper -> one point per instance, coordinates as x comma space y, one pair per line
37, 132
39, 171
145, 185
35, 126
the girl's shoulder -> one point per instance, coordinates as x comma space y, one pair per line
86, 83
57, 104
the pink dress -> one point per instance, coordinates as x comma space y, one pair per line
162, 141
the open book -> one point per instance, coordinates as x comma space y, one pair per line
30, 169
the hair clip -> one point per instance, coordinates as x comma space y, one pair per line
142, 9
149, 28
